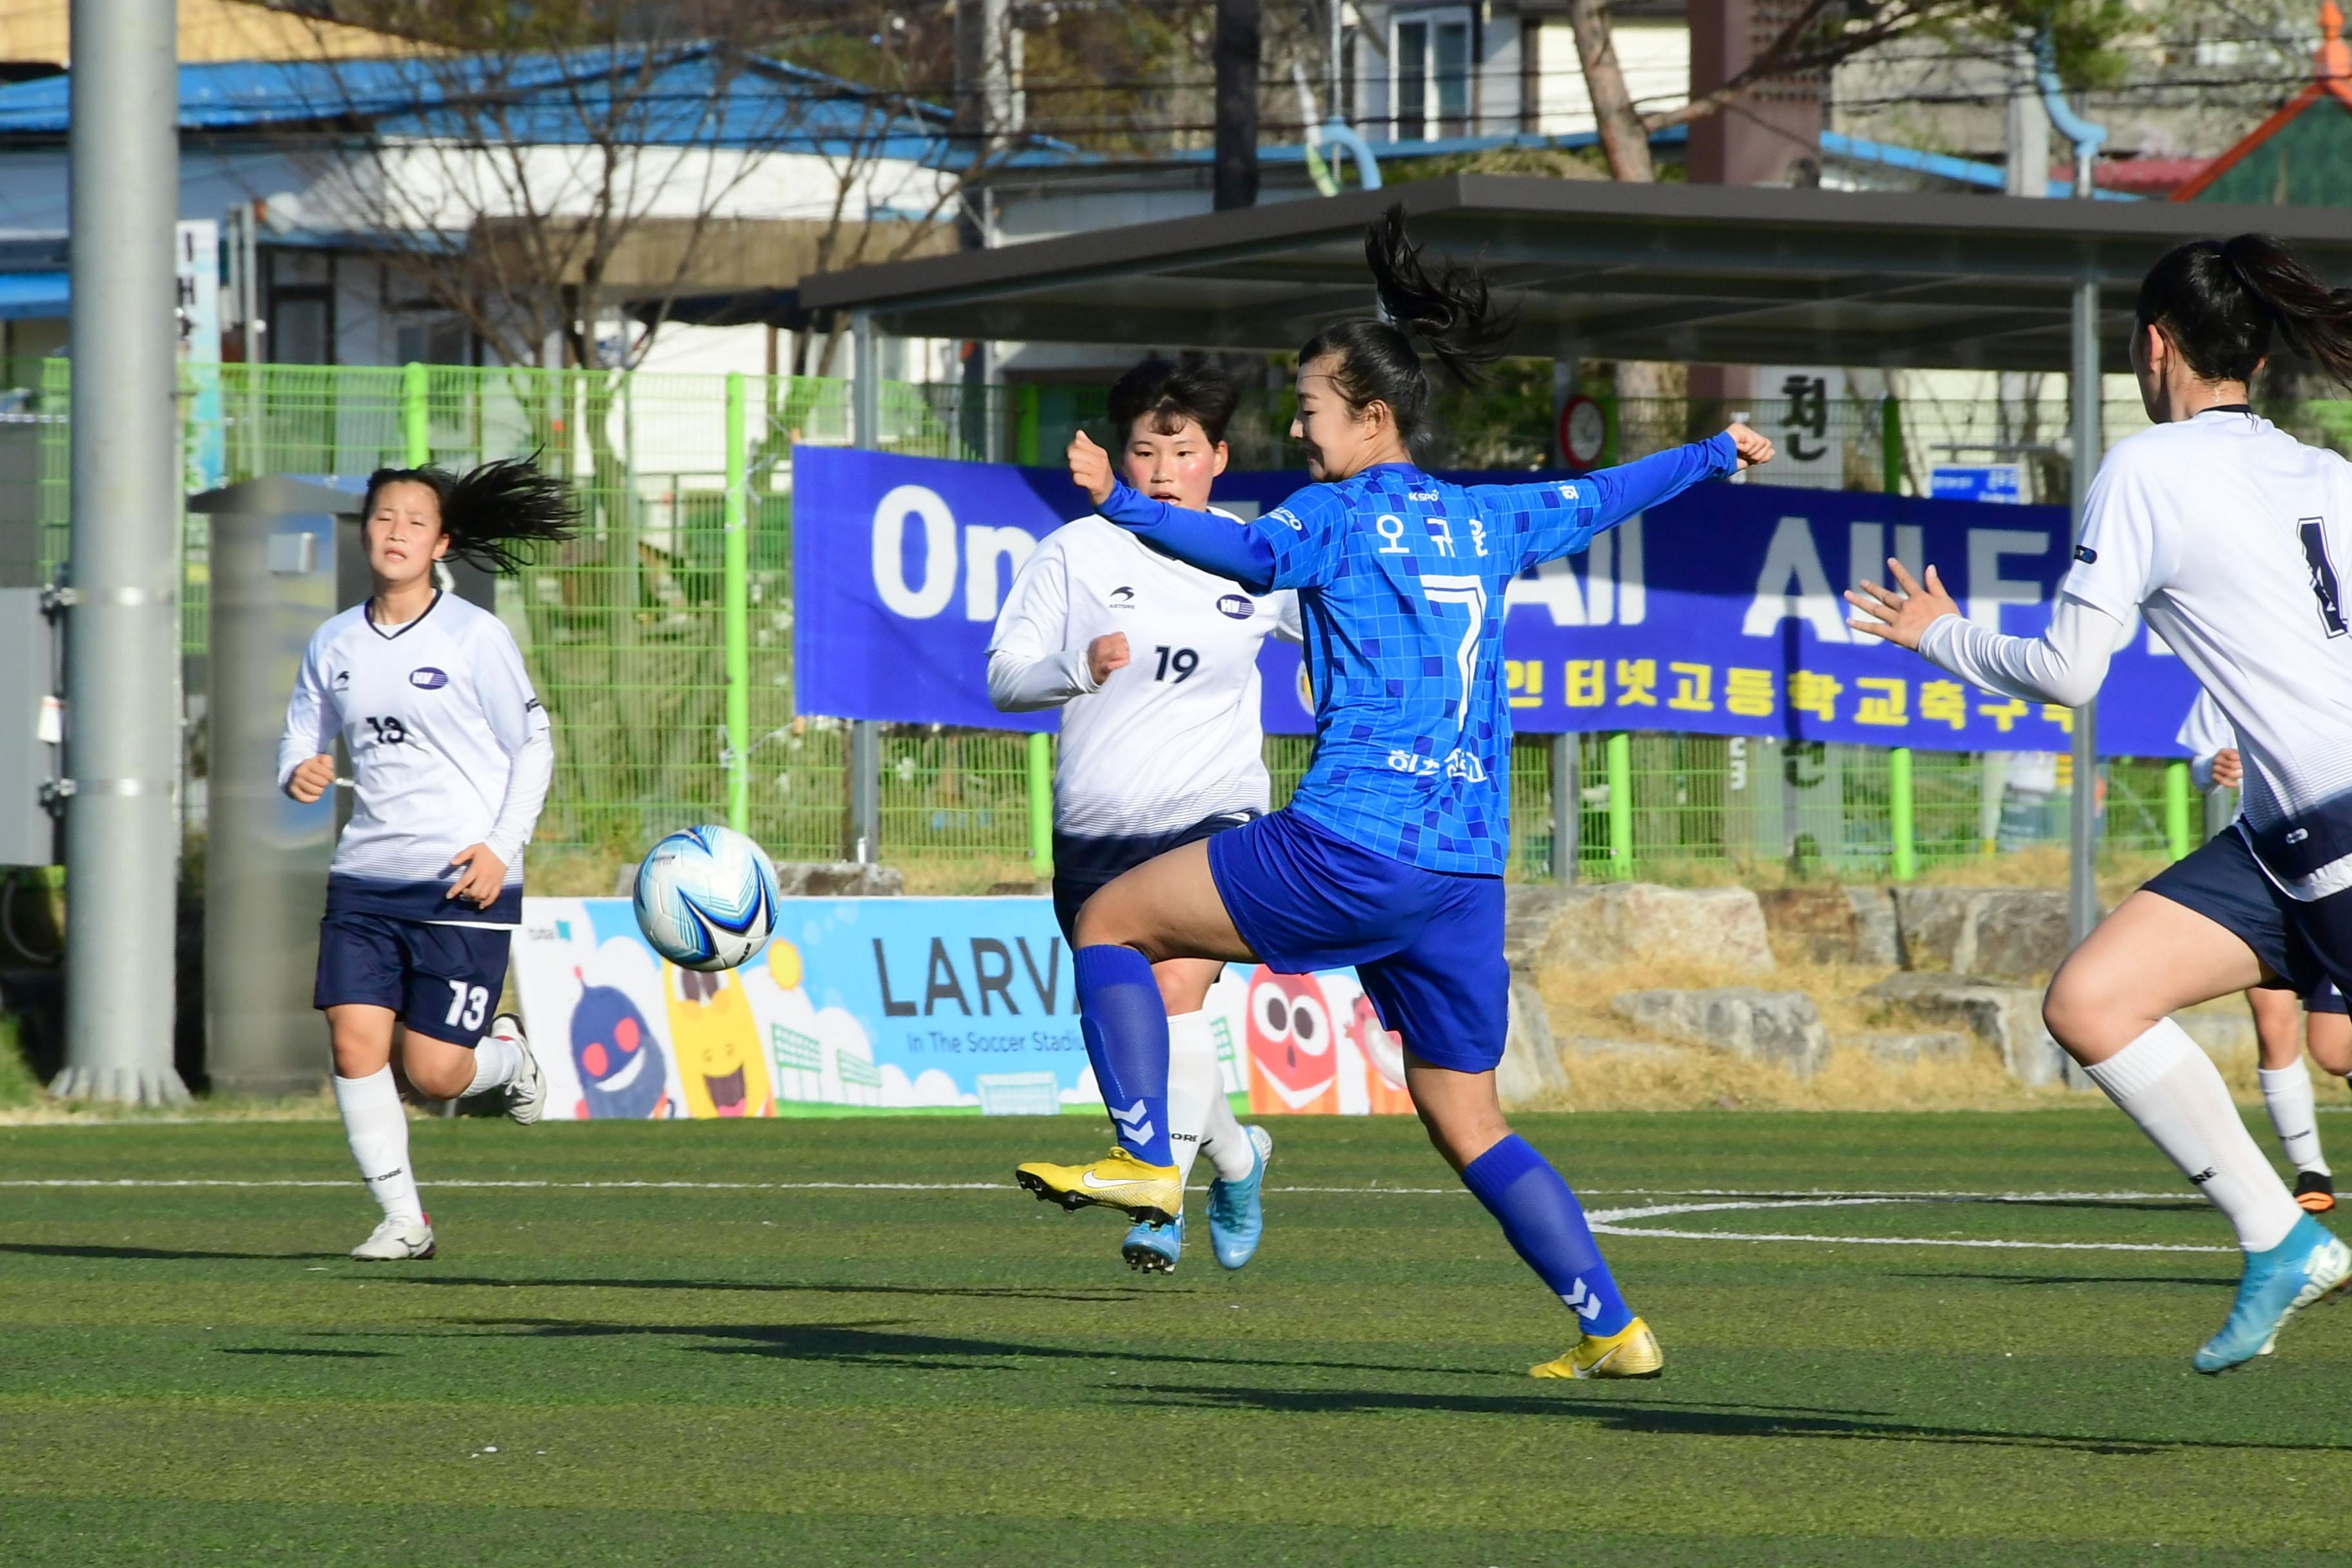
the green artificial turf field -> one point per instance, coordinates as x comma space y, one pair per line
872, 1359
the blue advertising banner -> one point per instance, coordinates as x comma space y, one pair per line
1718, 613
897, 1005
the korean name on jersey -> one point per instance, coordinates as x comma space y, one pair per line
1175, 736
2233, 538
432, 715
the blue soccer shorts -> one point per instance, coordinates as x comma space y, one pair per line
2308, 944
441, 980
1427, 945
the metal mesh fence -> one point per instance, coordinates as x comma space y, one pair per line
623, 627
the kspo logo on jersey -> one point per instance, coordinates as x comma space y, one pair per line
1237, 606
428, 678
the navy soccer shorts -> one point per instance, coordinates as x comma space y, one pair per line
1428, 945
2307, 944
1084, 867
440, 979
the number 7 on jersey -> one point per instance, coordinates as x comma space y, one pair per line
1470, 591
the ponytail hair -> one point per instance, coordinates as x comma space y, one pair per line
2220, 300
1452, 315
492, 515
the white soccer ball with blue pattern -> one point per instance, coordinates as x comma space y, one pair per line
707, 898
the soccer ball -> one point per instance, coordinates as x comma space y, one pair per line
705, 898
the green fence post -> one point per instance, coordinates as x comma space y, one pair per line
1621, 798
1890, 445
739, 617
1026, 417
416, 426
1041, 804
1899, 814
2177, 794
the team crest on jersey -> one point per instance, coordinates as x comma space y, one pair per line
428, 678
1239, 607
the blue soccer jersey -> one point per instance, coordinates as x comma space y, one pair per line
1400, 580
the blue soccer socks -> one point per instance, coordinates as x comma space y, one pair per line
1545, 1226
1125, 1026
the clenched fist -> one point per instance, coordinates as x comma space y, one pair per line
314, 778
1105, 654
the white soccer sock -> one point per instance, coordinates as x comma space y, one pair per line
1195, 1087
496, 1062
2166, 1084
2286, 1093
1221, 1139
377, 1128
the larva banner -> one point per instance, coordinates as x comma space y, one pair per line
945, 1006
1716, 614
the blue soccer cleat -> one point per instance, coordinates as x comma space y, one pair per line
1154, 1248
1237, 1209
2298, 1271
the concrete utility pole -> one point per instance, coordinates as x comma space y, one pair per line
123, 627
1238, 52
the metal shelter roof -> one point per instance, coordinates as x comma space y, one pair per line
1709, 274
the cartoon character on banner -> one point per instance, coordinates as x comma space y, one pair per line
1292, 1065
622, 1071
717, 1040
1383, 1053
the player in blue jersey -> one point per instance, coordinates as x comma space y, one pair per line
450, 757
1390, 857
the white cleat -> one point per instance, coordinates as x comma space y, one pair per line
397, 1241
527, 1095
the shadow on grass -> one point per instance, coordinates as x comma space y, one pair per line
157, 1254
878, 1341
1674, 1421
2211, 1281
304, 1351
1093, 1296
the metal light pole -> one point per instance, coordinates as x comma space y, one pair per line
122, 631
865, 735
2083, 845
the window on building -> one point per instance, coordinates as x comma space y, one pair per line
1431, 87
300, 306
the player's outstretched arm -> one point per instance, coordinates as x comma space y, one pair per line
1544, 521
1196, 538
2065, 665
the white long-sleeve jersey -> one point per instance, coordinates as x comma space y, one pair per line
449, 748
2207, 734
2230, 536
1174, 737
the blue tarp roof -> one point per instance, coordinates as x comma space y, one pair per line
32, 296
690, 96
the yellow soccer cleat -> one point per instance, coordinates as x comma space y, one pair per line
1632, 1351
1118, 1180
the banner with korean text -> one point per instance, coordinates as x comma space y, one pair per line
1718, 613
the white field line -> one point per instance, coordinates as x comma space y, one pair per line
1606, 1221
1771, 1197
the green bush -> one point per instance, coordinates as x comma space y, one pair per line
17, 1084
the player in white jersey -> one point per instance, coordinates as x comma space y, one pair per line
450, 761
2225, 534
2279, 1015
1154, 666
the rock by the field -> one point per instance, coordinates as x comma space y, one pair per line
812, 879
2010, 933
1833, 925
1900, 1047
2224, 1034
1531, 1074
2005, 1018
838, 879
1779, 1027
1617, 922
